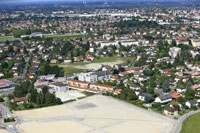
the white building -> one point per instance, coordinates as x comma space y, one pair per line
94, 76
163, 98
59, 87
191, 103
174, 51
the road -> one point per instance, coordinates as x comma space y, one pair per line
178, 124
5, 111
25, 68
11, 127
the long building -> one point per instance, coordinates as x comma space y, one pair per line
90, 87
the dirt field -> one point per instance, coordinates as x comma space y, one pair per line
98, 65
95, 114
3, 131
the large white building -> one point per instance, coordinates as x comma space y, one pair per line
174, 51
59, 87
124, 42
94, 76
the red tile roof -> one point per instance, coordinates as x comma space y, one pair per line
20, 99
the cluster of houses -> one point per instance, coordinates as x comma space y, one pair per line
14, 59
33, 68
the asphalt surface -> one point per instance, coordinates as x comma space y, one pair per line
11, 126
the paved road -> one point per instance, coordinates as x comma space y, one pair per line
5, 111
25, 68
178, 124
11, 127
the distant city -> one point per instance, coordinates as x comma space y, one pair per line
100, 66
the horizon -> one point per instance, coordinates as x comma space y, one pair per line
41, 1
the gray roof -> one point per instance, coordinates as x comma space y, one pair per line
158, 91
102, 73
193, 102
60, 84
165, 97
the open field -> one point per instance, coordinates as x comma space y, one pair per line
191, 124
9, 38
64, 36
3, 131
95, 114
96, 64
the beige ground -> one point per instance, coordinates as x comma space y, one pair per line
3, 131
98, 65
95, 114
92, 65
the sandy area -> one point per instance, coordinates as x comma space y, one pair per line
95, 114
3, 131
98, 65
92, 65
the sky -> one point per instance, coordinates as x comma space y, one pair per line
18, 1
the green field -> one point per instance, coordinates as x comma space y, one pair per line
70, 68
64, 36
191, 124
9, 38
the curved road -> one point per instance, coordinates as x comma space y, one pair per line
179, 122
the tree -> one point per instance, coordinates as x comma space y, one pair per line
131, 95
190, 94
173, 43
148, 98
33, 96
165, 86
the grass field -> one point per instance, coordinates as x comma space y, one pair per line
9, 38
70, 68
191, 124
64, 36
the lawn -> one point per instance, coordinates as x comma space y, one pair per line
9, 38
64, 36
191, 124
70, 68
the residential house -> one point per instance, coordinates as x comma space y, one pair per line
163, 98
191, 103
181, 89
19, 100
53, 61
170, 111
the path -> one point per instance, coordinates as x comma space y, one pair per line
180, 121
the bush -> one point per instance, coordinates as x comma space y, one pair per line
9, 120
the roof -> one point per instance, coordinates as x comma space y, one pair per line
102, 85
174, 103
124, 73
170, 109
60, 84
165, 97
175, 94
102, 73
193, 102
20, 99
159, 91
78, 81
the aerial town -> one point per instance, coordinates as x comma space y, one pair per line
69, 59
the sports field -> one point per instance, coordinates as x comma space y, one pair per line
191, 124
65, 36
9, 38
76, 67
